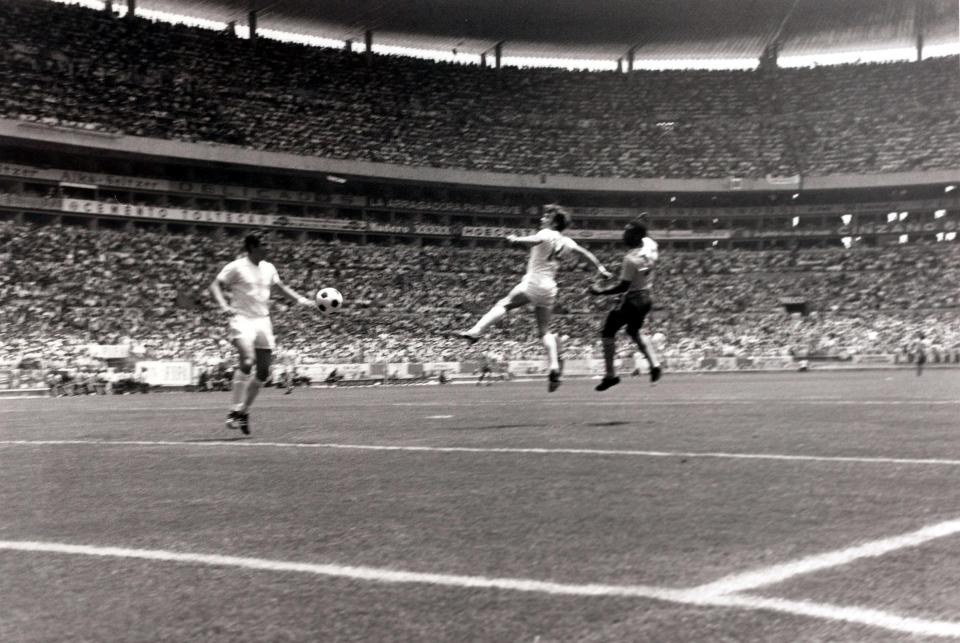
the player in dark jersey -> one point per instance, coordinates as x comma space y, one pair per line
920, 353
636, 278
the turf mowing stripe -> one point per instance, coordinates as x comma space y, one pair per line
857, 615
251, 444
779, 573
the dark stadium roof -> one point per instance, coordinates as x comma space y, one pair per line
601, 28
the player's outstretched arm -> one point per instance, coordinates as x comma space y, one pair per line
217, 291
592, 258
531, 240
293, 295
623, 286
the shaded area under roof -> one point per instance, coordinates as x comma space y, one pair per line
602, 28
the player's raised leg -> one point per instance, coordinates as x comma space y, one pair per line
515, 299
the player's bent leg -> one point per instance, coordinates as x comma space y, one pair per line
608, 337
649, 352
241, 378
610, 377
264, 357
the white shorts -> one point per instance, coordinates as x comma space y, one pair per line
255, 330
542, 296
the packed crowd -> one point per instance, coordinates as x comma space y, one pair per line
65, 287
78, 67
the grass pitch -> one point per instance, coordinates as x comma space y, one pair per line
743, 507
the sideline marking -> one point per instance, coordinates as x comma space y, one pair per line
494, 450
437, 417
863, 616
700, 401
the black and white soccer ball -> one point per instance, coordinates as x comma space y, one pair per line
329, 300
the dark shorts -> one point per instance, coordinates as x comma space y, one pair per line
630, 312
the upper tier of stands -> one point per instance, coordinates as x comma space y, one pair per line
69, 65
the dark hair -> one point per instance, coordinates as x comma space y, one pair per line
561, 218
634, 232
252, 241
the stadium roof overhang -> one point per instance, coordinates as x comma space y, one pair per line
605, 30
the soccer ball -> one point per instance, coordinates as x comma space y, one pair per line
329, 300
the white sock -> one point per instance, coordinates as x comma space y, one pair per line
239, 388
550, 342
494, 315
253, 388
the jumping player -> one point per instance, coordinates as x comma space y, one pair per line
249, 280
539, 285
636, 278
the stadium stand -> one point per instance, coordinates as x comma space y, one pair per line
157, 80
69, 286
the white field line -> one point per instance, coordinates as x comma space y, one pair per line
863, 616
621, 403
848, 614
779, 573
380, 575
700, 401
482, 450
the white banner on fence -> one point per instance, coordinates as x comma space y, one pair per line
165, 373
109, 351
874, 359
318, 373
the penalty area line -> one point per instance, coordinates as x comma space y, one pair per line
738, 583
858, 615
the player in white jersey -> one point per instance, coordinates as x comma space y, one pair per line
636, 279
539, 285
249, 281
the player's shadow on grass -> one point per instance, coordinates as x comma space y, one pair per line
239, 438
612, 423
491, 427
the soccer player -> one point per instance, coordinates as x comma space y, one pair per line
539, 285
249, 280
636, 278
920, 352
486, 372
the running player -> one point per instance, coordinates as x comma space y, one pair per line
486, 373
636, 278
249, 280
539, 285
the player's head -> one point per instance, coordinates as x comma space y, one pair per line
634, 232
254, 247
555, 217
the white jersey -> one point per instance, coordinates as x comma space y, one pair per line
249, 285
544, 258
